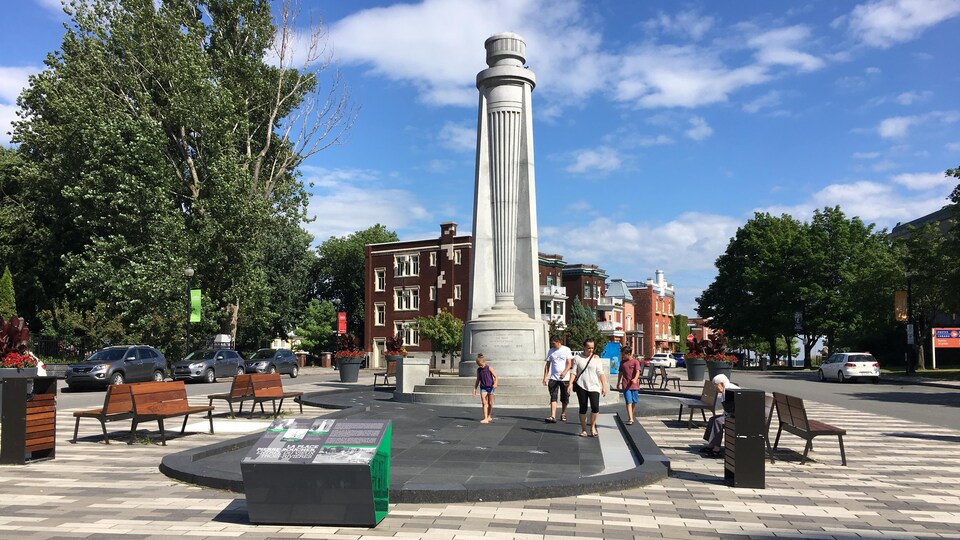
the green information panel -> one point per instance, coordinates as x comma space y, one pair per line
319, 472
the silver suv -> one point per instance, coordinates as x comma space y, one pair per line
208, 364
118, 365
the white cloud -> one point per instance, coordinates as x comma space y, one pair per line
654, 141
348, 200
909, 98
692, 241
684, 24
873, 202
897, 127
866, 155
458, 137
13, 79
770, 99
8, 113
780, 46
595, 160
918, 181
953, 147
883, 23
51, 5
700, 130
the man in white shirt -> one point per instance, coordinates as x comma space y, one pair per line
556, 374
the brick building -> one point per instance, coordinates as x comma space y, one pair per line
406, 280
618, 311
553, 295
654, 305
586, 281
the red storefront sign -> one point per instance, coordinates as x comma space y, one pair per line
946, 338
341, 322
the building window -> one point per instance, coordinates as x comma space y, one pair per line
586, 291
406, 265
456, 256
381, 279
433, 293
407, 299
411, 337
433, 258
456, 292
549, 280
381, 315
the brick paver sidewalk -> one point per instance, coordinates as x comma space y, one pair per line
903, 481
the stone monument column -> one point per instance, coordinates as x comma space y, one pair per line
504, 320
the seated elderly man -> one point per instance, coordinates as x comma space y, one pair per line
714, 432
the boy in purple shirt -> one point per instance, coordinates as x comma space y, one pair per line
629, 380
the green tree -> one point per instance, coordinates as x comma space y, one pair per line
340, 271
755, 289
318, 329
159, 135
8, 302
680, 326
924, 254
583, 326
444, 331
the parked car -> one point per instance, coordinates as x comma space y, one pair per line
842, 367
273, 361
662, 359
679, 357
117, 365
208, 364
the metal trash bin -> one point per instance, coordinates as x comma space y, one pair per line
349, 369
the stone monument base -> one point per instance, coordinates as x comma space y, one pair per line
514, 347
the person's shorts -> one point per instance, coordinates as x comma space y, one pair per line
486, 389
558, 387
631, 396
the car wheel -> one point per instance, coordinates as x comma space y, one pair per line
158, 376
273, 369
116, 378
240, 371
295, 373
821, 376
209, 376
840, 378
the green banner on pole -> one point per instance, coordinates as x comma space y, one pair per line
194, 305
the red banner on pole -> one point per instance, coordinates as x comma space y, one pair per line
946, 338
341, 323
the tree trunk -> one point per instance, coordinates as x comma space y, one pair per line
230, 323
789, 341
808, 344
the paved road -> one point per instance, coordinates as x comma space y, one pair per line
933, 405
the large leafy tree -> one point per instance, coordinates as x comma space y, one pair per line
340, 271
680, 326
924, 254
158, 136
444, 331
583, 326
318, 329
755, 289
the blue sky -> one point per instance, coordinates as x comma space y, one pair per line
660, 126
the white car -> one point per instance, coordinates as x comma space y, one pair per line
662, 359
842, 367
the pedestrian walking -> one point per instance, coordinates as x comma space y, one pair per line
556, 377
487, 382
628, 380
589, 382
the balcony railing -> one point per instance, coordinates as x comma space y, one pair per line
608, 327
555, 291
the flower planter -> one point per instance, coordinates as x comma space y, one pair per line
716, 368
349, 367
392, 357
11, 373
695, 368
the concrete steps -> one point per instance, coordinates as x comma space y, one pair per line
511, 392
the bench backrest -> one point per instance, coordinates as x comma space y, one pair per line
153, 397
266, 385
242, 386
648, 372
768, 407
790, 411
118, 399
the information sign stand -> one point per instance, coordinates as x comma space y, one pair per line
319, 472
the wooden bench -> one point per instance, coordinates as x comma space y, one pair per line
390, 372
433, 372
793, 419
707, 402
117, 405
268, 387
161, 400
241, 390
665, 379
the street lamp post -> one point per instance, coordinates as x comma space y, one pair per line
911, 341
188, 274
